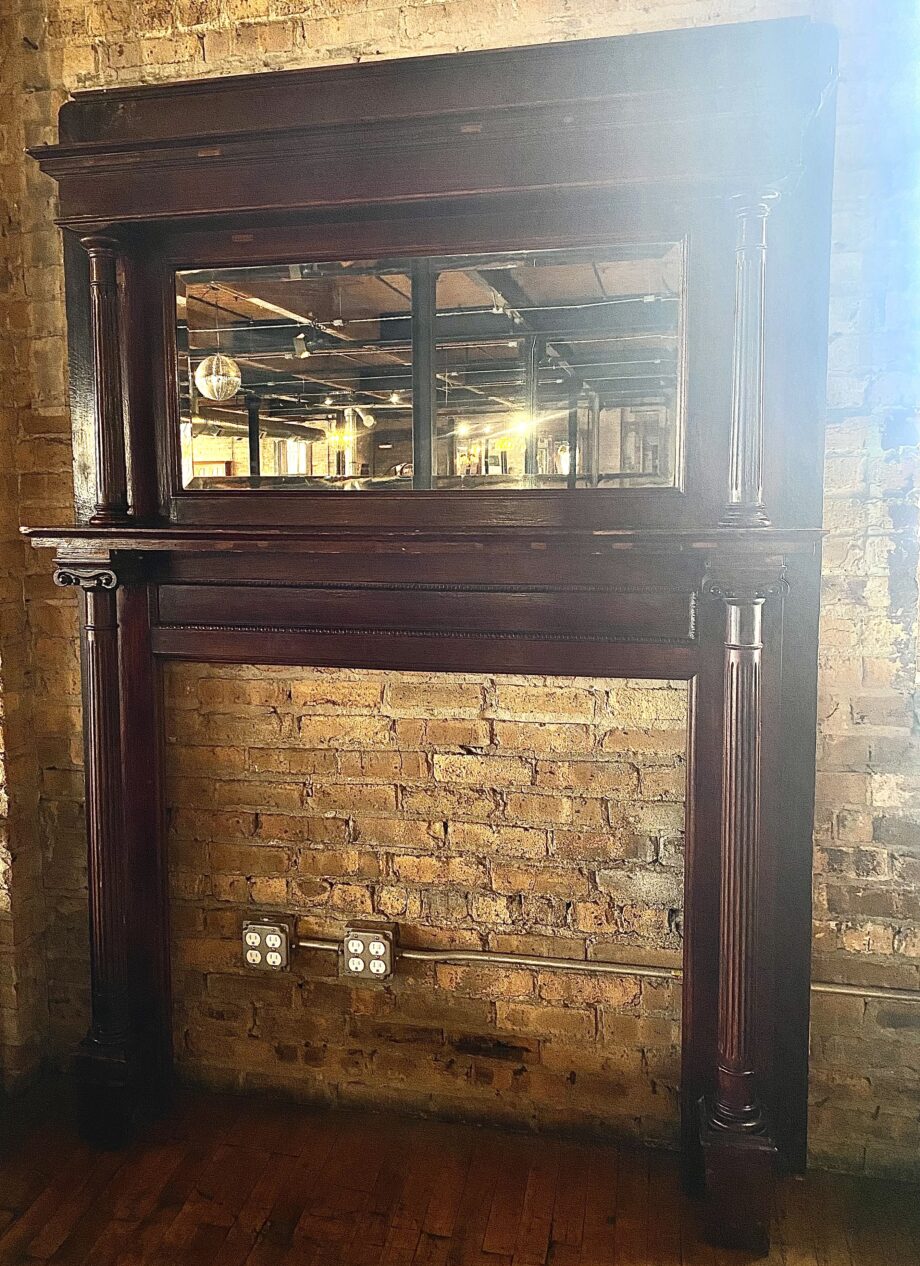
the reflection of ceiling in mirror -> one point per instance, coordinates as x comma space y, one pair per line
315, 340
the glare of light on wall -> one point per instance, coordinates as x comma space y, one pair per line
463, 428
395, 397
218, 377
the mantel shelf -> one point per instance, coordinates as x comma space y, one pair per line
84, 539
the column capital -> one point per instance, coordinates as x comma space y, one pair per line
88, 575
754, 203
101, 244
734, 582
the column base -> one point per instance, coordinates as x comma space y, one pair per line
744, 517
739, 1172
112, 1095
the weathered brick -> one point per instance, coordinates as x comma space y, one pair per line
545, 1021
483, 771
372, 722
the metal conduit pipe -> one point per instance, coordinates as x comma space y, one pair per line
886, 993
493, 958
544, 964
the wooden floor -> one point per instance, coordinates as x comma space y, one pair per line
244, 1183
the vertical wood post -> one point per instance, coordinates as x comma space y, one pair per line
105, 327
533, 353
424, 371
104, 1063
744, 507
736, 1104
736, 1135
572, 481
255, 450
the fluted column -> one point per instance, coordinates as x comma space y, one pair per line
736, 1134
736, 1104
103, 1060
744, 507
109, 436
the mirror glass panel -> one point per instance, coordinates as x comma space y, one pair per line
526, 369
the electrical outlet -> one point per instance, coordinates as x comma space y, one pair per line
266, 944
369, 951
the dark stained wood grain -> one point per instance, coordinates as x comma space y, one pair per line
195, 1190
643, 138
105, 319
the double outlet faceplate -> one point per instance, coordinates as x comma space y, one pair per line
367, 951
266, 945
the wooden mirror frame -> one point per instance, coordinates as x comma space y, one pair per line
721, 135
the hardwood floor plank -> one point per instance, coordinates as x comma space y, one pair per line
231, 1183
342, 1194
370, 1233
411, 1210
507, 1205
632, 1210
254, 1214
532, 1247
568, 1222
599, 1235
666, 1211
211, 1208
319, 1135
453, 1168
68, 1216
825, 1217
792, 1226
131, 1193
49, 1217
475, 1206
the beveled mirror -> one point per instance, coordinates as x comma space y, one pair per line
547, 369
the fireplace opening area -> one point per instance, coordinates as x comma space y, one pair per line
516, 815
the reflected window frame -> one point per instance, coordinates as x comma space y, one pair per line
549, 464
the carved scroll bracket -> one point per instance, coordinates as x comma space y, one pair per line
85, 576
744, 507
108, 397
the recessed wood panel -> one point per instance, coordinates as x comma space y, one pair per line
599, 614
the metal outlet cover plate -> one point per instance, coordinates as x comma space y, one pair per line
369, 951
266, 945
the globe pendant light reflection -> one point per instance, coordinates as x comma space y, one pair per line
218, 377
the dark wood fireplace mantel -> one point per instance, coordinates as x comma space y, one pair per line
719, 140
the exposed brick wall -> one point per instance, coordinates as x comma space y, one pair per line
34, 436
866, 1057
512, 813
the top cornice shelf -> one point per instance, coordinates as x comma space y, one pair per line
718, 107
741, 62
